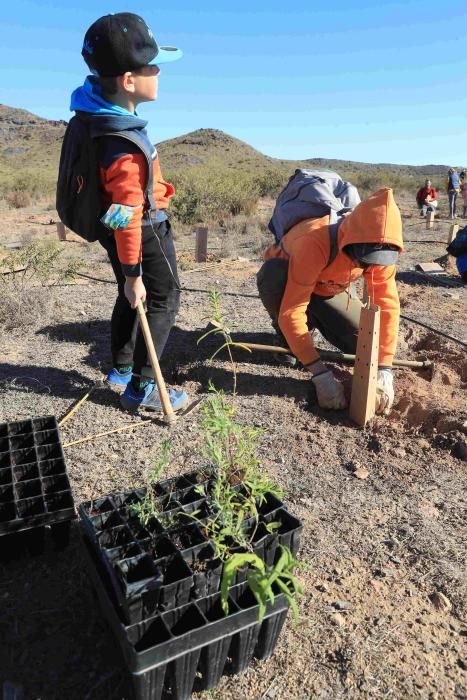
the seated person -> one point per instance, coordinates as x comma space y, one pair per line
301, 291
427, 198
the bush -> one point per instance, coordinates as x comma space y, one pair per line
211, 194
18, 199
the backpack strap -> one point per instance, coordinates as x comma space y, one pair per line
333, 238
138, 141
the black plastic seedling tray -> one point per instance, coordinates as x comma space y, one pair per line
161, 564
190, 647
34, 487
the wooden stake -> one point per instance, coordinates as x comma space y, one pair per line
201, 250
108, 432
430, 217
79, 403
363, 399
453, 229
61, 231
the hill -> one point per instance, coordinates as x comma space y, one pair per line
30, 147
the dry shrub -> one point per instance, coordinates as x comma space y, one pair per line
22, 307
18, 199
244, 235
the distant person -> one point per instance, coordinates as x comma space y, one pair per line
124, 59
301, 290
452, 188
462, 176
427, 198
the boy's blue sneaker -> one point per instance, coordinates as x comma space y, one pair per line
149, 398
115, 376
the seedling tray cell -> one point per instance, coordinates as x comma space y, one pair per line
53, 484
45, 452
52, 467
25, 456
46, 423
46, 437
6, 493
289, 531
20, 428
5, 460
3, 430
5, 476
21, 442
25, 472
4, 445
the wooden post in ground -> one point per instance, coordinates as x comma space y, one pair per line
201, 250
363, 398
453, 229
430, 217
61, 231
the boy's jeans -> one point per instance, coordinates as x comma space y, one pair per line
162, 300
452, 196
337, 318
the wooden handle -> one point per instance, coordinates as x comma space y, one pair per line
332, 355
166, 405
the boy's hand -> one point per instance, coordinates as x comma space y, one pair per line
135, 291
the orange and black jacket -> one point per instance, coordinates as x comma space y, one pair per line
307, 246
123, 173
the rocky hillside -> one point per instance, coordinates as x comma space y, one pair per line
30, 147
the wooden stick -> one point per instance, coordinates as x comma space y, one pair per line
201, 251
61, 231
430, 217
453, 229
363, 399
75, 407
335, 355
169, 413
108, 432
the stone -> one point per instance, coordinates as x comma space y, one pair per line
338, 620
440, 601
342, 605
361, 473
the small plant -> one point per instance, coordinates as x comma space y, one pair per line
148, 508
222, 326
262, 579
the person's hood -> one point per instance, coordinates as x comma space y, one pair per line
375, 220
103, 116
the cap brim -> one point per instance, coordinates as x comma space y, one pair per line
166, 54
380, 257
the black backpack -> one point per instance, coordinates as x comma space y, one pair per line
78, 200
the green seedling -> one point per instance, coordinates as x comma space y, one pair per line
261, 580
148, 508
222, 326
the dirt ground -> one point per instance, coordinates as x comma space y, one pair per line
383, 548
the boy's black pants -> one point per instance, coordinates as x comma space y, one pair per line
162, 301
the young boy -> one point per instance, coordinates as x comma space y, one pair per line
124, 59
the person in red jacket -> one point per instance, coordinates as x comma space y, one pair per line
124, 59
301, 291
427, 198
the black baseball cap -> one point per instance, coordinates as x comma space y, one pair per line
122, 42
373, 253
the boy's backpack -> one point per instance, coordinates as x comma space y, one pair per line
311, 194
78, 200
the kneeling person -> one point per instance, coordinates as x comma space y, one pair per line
302, 290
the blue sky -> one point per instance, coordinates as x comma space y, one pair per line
360, 80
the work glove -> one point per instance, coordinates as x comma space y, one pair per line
329, 391
384, 391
